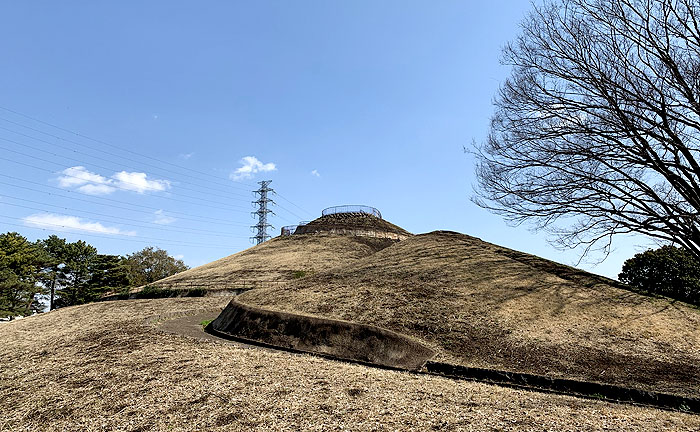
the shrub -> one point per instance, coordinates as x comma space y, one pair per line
668, 271
153, 292
205, 323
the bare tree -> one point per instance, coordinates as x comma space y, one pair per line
597, 130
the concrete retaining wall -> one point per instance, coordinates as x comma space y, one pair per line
567, 386
339, 339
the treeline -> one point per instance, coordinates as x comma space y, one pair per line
70, 273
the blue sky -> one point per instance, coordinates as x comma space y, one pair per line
128, 121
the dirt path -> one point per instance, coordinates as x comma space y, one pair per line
191, 326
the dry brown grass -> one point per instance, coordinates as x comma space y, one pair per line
102, 367
351, 221
482, 305
278, 259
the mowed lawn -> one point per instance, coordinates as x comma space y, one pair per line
106, 366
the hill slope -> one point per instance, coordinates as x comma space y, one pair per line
104, 367
280, 259
482, 305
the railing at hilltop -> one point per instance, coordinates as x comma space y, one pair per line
352, 209
289, 229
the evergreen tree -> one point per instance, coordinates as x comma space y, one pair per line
76, 274
55, 250
108, 273
20, 262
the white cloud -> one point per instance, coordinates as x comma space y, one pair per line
88, 182
94, 184
96, 189
186, 156
162, 219
139, 182
315, 173
251, 166
63, 222
179, 256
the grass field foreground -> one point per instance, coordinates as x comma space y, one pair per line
104, 367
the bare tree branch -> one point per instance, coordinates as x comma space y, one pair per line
597, 130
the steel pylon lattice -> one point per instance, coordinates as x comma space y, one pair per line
262, 211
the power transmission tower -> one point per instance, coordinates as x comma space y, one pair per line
262, 212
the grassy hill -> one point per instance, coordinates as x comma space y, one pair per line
281, 259
482, 305
107, 366
475, 303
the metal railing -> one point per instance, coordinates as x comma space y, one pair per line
289, 229
352, 209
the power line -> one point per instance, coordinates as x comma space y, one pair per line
82, 230
112, 185
290, 202
108, 144
93, 156
110, 216
187, 216
289, 211
156, 227
87, 181
206, 246
227, 184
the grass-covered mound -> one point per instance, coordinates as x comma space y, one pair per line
482, 305
280, 259
354, 221
104, 367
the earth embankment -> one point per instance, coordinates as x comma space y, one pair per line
481, 305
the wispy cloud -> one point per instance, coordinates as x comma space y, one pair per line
85, 181
62, 222
186, 156
96, 189
250, 165
315, 173
162, 219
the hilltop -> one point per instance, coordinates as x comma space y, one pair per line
354, 223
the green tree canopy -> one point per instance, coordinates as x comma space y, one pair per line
151, 264
20, 261
76, 274
108, 273
55, 250
669, 271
